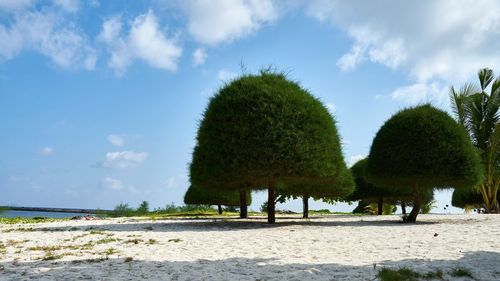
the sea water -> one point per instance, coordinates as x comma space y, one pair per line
31, 214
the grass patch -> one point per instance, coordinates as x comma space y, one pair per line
20, 229
134, 241
44, 248
29, 220
129, 259
176, 240
438, 274
401, 274
110, 251
107, 240
50, 257
95, 260
461, 272
152, 241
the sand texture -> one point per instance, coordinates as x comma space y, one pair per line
328, 248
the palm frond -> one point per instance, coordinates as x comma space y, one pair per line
485, 77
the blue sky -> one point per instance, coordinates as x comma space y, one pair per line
100, 100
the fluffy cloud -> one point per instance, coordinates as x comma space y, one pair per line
12, 5
199, 56
225, 75
144, 41
435, 93
116, 140
432, 41
111, 183
47, 151
48, 33
124, 159
214, 22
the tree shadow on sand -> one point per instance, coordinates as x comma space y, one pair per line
229, 224
482, 265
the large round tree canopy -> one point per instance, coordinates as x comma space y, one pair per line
264, 130
423, 146
200, 196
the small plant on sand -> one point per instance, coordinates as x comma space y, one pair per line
129, 259
134, 241
50, 256
438, 274
176, 240
152, 241
461, 272
110, 251
401, 274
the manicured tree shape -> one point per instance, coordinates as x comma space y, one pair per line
265, 131
478, 112
368, 192
422, 148
200, 196
468, 198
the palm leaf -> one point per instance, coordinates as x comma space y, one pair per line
485, 77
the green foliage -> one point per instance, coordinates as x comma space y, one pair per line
423, 146
195, 195
461, 272
427, 207
188, 208
265, 130
20, 220
466, 198
370, 193
478, 112
263, 207
123, 210
401, 274
143, 208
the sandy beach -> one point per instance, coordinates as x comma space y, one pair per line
328, 248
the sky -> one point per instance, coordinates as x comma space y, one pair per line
100, 100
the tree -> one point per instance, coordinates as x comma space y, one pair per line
266, 132
200, 196
467, 199
478, 112
143, 208
422, 148
368, 192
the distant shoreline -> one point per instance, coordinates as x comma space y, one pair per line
55, 210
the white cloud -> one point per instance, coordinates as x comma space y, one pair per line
430, 40
116, 140
111, 183
70, 6
144, 41
225, 75
124, 159
355, 158
179, 181
49, 34
199, 56
214, 22
47, 151
422, 93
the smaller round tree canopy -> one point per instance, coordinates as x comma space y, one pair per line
464, 198
200, 196
423, 146
368, 192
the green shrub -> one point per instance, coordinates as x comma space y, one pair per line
266, 132
422, 148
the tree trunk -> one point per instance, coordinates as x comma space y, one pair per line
416, 205
380, 205
243, 204
305, 204
403, 207
219, 207
271, 204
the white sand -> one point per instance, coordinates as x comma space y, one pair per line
333, 248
